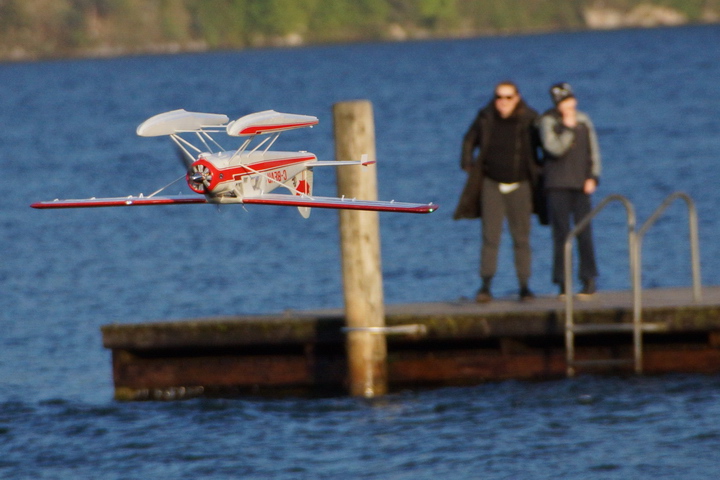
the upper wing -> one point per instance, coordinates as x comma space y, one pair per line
341, 203
176, 121
268, 121
130, 201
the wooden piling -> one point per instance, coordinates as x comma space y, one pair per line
360, 251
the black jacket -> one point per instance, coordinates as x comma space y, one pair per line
477, 136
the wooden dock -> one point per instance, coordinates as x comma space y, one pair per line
451, 343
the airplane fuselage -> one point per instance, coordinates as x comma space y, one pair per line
247, 173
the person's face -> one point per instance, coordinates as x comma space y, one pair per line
506, 99
568, 105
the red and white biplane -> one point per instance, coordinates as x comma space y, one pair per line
244, 175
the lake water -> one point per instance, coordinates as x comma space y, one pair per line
68, 131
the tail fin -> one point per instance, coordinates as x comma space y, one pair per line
303, 184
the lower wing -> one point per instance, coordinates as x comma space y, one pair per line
269, 199
341, 203
130, 201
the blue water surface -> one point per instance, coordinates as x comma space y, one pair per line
68, 131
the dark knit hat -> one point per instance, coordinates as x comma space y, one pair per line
561, 91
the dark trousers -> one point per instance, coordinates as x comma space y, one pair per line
564, 205
517, 207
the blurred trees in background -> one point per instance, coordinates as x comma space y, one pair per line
52, 28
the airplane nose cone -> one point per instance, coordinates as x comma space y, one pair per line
200, 178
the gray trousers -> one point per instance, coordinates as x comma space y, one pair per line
566, 205
517, 207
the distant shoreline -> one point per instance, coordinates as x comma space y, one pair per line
32, 30
171, 48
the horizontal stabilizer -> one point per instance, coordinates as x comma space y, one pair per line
337, 163
130, 201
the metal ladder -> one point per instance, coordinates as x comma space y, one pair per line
637, 327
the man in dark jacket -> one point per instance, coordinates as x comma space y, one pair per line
571, 172
500, 181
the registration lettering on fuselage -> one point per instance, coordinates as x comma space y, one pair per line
277, 176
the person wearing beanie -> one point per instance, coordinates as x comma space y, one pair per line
571, 170
499, 153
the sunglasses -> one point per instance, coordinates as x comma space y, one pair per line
504, 97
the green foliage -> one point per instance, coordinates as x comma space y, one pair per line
62, 27
13, 15
438, 13
221, 23
174, 20
694, 9
280, 17
340, 20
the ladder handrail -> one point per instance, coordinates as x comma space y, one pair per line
635, 238
694, 237
634, 277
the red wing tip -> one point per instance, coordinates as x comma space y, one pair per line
429, 208
43, 205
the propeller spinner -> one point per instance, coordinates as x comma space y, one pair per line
199, 178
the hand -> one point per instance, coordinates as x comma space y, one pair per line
590, 186
569, 118
568, 110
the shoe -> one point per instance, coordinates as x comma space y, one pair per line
588, 288
526, 294
561, 292
483, 296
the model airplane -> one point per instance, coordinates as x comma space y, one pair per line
244, 175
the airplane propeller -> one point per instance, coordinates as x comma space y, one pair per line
201, 177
